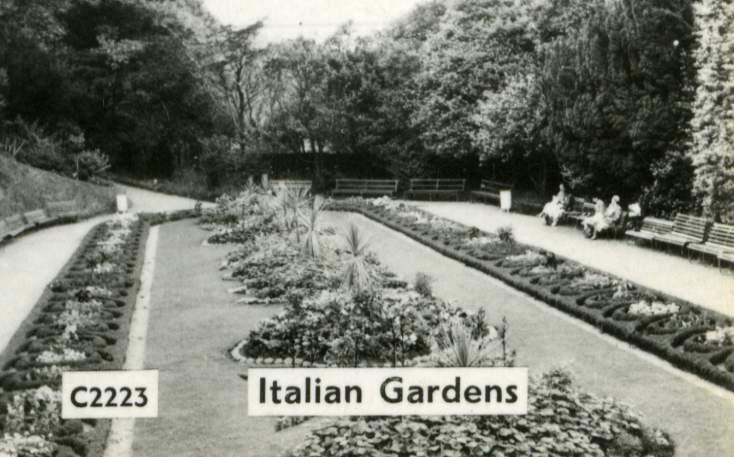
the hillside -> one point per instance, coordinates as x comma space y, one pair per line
24, 188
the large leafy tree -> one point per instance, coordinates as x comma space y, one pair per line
712, 148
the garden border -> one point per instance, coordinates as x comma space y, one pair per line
698, 365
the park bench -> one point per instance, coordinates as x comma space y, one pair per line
291, 183
65, 209
362, 187
578, 210
687, 229
650, 228
436, 187
37, 217
15, 225
719, 243
490, 190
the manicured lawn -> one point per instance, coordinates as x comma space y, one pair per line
193, 321
203, 400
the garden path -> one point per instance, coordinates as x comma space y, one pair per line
193, 321
702, 284
699, 416
29, 263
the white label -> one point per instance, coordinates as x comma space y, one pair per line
109, 394
387, 391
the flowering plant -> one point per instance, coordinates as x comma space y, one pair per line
653, 308
720, 336
42, 405
60, 356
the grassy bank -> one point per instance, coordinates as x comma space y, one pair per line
24, 188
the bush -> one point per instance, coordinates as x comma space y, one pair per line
422, 284
90, 164
506, 235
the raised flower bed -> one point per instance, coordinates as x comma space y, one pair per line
596, 297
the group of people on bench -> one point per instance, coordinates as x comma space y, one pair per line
603, 218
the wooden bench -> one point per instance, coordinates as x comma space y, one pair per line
37, 217
687, 229
362, 187
66, 209
490, 190
578, 210
433, 187
15, 224
291, 183
650, 228
719, 242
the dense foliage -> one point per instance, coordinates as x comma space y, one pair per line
562, 420
611, 97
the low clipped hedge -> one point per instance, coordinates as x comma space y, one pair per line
104, 342
596, 307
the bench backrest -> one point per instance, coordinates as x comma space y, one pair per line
15, 221
721, 235
367, 184
579, 204
61, 207
690, 226
290, 183
494, 186
437, 184
37, 215
655, 225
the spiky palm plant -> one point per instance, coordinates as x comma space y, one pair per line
455, 347
358, 274
310, 224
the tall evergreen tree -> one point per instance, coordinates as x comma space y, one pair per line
712, 148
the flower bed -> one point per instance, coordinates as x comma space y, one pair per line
562, 420
592, 296
81, 322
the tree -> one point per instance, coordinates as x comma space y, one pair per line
712, 148
239, 77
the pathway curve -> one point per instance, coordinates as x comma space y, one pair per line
29, 263
701, 284
699, 416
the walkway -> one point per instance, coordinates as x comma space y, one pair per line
692, 281
32, 261
699, 417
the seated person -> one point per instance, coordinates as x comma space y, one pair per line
614, 211
634, 215
555, 209
603, 218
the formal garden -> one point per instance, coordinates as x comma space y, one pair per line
269, 203
342, 308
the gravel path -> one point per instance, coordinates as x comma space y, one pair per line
29, 263
193, 321
698, 415
701, 284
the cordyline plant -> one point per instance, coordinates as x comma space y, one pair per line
458, 345
358, 273
310, 224
289, 201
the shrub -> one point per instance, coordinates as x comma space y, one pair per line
90, 163
506, 235
422, 284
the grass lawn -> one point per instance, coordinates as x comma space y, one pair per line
203, 401
203, 404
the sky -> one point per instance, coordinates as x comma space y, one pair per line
285, 19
